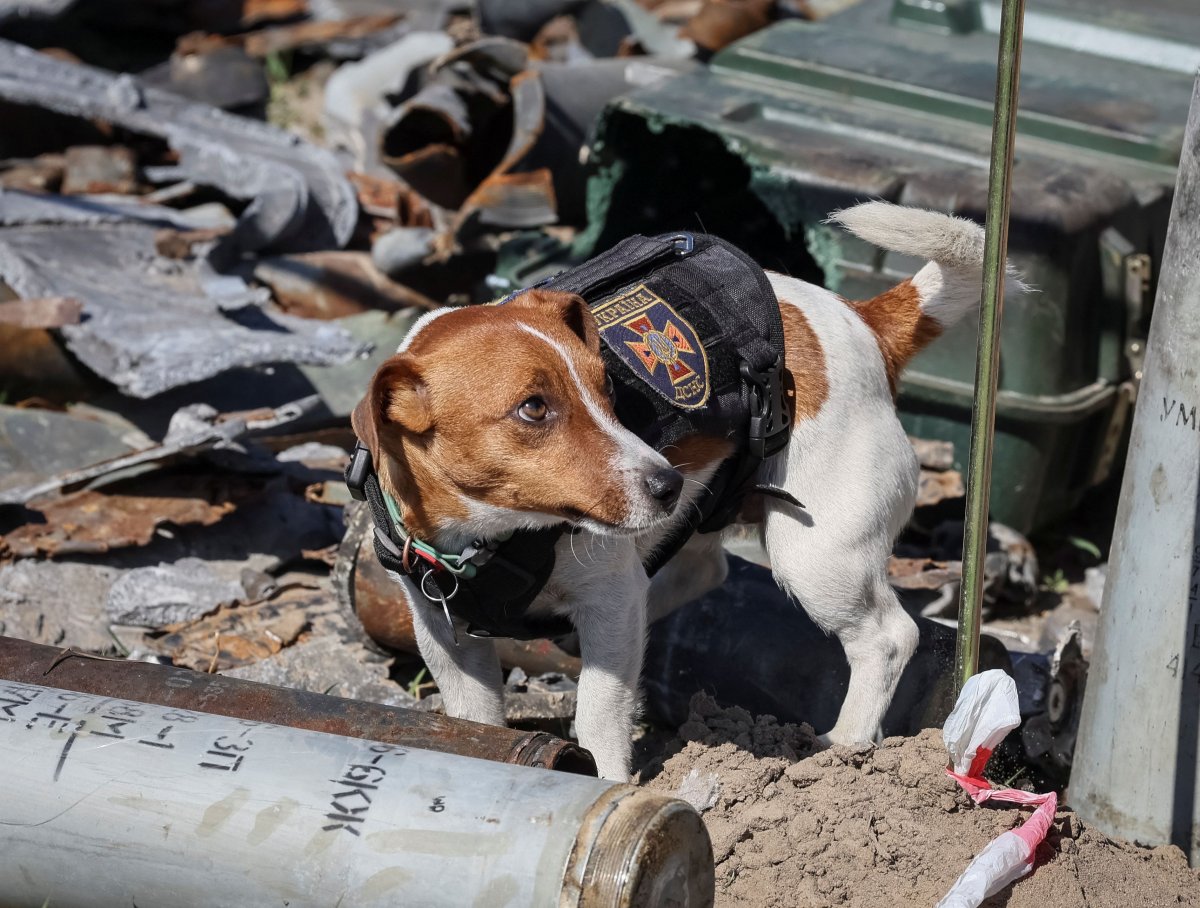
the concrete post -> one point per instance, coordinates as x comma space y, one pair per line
1135, 766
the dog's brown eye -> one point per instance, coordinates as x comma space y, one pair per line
533, 410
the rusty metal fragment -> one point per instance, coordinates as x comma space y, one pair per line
299, 197
91, 522
44, 312
389, 198
721, 22
922, 573
935, 487
93, 169
329, 285
337, 37
43, 173
236, 635
181, 689
506, 198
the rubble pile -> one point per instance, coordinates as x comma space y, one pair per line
878, 826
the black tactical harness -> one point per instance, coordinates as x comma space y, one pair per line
692, 340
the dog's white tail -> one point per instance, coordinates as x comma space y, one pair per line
950, 284
913, 313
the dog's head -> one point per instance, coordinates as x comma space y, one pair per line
496, 418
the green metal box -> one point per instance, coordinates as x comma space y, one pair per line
895, 103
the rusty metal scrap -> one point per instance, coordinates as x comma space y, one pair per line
510, 199
44, 312
390, 199
359, 33
934, 487
234, 635
721, 22
43, 173
299, 198
180, 689
922, 573
92, 169
329, 285
91, 522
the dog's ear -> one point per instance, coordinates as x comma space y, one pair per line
569, 308
396, 399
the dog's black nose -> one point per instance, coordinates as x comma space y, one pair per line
664, 486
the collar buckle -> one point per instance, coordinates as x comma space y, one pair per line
357, 471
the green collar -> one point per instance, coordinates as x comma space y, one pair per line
463, 564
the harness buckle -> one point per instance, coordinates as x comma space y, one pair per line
684, 243
357, 471
769, 416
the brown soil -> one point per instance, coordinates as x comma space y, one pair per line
879, 826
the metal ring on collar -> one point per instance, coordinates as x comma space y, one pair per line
437, 595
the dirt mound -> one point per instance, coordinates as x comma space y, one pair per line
879, 826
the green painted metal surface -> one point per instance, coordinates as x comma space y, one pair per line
803, 118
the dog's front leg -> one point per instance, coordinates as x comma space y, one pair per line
467, 673
612, 637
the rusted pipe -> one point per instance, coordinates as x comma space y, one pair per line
113, 802
30, 663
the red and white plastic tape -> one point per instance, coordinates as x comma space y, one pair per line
986, 711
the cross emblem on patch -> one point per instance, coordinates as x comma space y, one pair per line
665, 347
645, 331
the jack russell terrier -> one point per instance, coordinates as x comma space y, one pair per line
508, 494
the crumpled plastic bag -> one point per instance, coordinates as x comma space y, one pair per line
986, 711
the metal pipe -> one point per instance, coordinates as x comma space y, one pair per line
1136, 769
117, 802
177, 688
991, 307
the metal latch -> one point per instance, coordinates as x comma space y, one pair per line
769, 416
684, 243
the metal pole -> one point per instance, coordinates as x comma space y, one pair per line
109, 802
178, 688
1136, 771
991, 304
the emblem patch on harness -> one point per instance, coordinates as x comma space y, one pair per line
656, 342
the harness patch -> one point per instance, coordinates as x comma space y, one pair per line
659, 345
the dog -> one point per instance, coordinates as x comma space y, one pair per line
495, 419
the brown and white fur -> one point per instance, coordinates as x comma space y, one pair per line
443, 420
